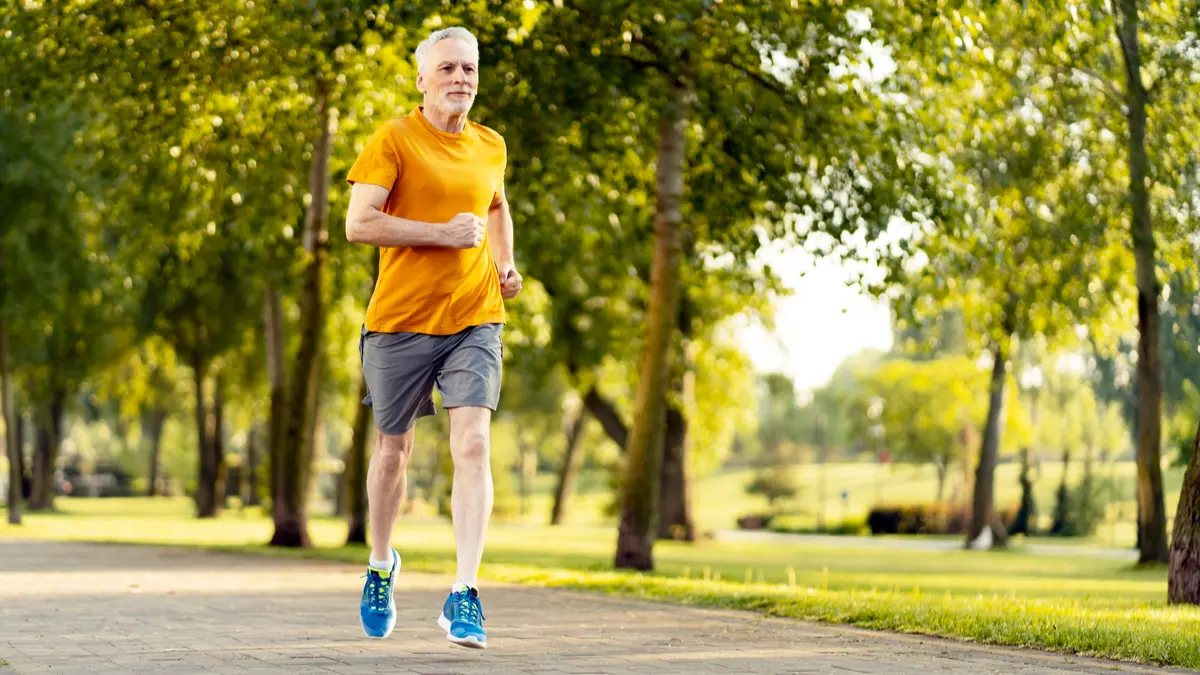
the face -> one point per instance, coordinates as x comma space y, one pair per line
450, 77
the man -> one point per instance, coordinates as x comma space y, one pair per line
428, 189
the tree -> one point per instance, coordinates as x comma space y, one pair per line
689, 71
1022, 253
922, 408
1152, 94
779, 434
35, 204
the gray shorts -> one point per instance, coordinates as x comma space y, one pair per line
402, 369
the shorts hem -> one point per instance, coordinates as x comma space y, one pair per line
391, 431
470, 403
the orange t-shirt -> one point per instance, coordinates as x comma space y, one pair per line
433, 176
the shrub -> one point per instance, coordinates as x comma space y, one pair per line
797, 524
773, 483
918, 519
754, 521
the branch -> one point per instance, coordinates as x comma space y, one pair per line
1112, 89
642, 66
606, 413
773, 85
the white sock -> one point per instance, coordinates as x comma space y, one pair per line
385, 565
460, 586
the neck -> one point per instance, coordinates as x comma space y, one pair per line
451, 123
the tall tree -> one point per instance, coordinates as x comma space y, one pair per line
1126, 54
649, 82
1023, 254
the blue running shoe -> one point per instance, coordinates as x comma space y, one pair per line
377, 611
462, 619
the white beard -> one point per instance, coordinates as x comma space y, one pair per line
457, 106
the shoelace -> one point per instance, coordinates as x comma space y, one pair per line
469, 608
377, 592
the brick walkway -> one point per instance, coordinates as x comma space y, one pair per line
83, 608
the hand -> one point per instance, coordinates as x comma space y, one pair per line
510, 281
465, 230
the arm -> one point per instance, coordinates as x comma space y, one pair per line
500, 236
366, 223
500, 230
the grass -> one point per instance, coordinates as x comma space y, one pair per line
1074, 604
720, 498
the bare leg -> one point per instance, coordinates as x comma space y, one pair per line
387, 480
471, 498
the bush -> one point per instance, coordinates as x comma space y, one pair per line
774, 483
755, 521
1083, 508
919, 519
797, 524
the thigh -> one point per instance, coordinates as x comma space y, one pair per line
471, 374
400, 373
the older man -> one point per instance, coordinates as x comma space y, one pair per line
428, 189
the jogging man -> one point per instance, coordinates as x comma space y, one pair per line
428, 190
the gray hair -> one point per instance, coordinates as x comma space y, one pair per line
455, 32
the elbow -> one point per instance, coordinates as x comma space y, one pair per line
354, 230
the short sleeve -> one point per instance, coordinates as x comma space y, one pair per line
379, 162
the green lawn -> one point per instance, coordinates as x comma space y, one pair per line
719, 499
1075, 604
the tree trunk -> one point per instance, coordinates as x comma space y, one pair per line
1183, 575
210, 480
295, 459
153, 420
942, 469
12, 444
675, 503
1153, 514
527, 468
273, 327
252, 496
569, 470
356, 471
45, 454
643, 457
675, 521
25, 485
984, 507
1062, 504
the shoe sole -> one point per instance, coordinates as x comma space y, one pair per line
469, 641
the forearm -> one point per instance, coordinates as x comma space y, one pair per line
500, 234
376, 228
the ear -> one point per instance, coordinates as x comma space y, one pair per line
420, 82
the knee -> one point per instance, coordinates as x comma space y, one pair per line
394, 452
471, 449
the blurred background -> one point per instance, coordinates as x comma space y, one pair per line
914, 243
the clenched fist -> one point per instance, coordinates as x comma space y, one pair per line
510, 281
465, 230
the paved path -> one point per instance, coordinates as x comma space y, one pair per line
84, 608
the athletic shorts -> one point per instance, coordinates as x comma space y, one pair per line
402, 369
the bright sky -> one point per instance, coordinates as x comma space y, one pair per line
819, 325
824, 320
